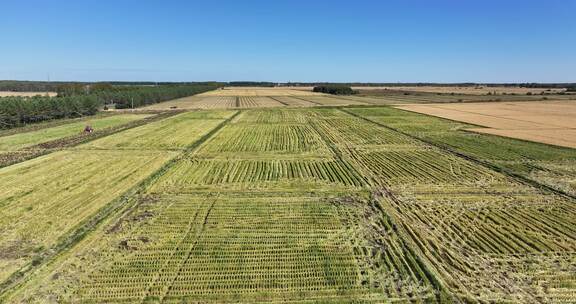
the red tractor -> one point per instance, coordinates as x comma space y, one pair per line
88, 129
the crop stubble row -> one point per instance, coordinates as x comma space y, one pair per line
371, 214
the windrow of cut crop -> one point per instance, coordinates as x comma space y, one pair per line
487, 236
194, 172
547, 165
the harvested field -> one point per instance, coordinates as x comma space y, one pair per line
548, 165
426, 98
26, 94
258, 92
293, 101
279, 204
238, 98
216, 102
477, 90
285, 152
185, 103
550, 122
37, 211
328, 100
20, 144
262, 99
43, 200
174, 133
24, 140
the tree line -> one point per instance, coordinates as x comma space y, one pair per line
54, 86
250, 84
75, 100
18, 111
133, 98
129, 96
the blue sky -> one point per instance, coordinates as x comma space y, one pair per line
340, 41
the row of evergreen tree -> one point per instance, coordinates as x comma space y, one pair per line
131, 97
18, 111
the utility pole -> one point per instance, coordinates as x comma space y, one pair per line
48, 86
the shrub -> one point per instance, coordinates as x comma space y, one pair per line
334, 90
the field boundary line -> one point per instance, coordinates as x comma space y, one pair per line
443, 107
314, 102
278, 100
469, 130
350, 99
381, 189
368, 182
431, 272
380, 193
167, 261
119, 204
515, 176
190, 249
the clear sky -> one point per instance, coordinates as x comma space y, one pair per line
339, 41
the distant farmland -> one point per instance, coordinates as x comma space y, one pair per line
278, 195
26, 94
472, 90
258, 91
